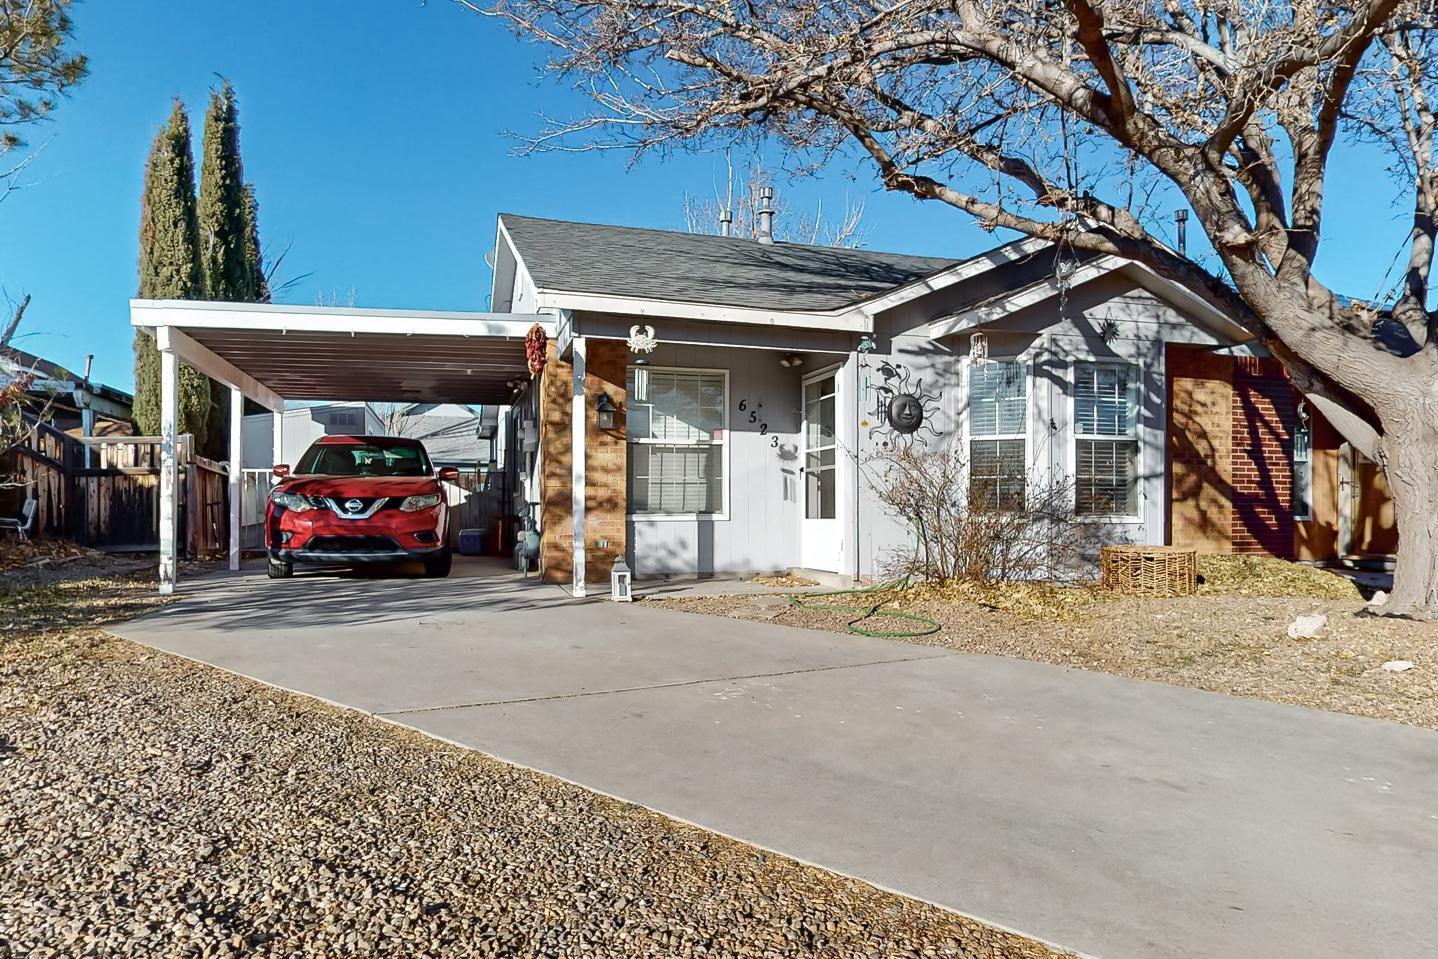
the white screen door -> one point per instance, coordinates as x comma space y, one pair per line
821, 533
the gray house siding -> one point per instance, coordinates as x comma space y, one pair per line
1051, 346
760, 532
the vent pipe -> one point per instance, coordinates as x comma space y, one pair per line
1180, 219
766, 215
726, 217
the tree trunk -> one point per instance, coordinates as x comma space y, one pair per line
1410, 450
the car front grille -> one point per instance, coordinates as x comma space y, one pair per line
345, 508
351, 544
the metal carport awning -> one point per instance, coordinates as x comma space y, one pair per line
271, 353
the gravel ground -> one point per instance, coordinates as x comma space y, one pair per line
1225, 644
155, 807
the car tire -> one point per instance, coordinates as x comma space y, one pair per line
438, 565
275, 569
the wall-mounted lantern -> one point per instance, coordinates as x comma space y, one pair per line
620, 580
604, 410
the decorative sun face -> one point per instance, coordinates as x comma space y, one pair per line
902, 410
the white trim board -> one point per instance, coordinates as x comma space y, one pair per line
271, 317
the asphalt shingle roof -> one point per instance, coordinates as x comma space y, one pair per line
696, 268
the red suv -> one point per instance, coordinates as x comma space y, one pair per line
359, 499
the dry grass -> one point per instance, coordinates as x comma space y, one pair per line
1263, 576
786, 581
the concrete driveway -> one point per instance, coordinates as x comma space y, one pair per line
1119, 818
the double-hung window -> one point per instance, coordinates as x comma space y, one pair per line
1303, 471
998, 434
675, 425
1106, 439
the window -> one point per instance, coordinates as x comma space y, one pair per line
1303, 468
342, 458
676, 441
998, 434
821, 466
1106, 439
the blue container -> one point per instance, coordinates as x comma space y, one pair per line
471, 541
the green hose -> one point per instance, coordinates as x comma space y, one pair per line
871, 611
874, 610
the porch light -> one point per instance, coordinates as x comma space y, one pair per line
791, 360
604, 410
619, 583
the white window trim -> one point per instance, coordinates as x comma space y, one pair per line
723, 514
1075, 436
970, 437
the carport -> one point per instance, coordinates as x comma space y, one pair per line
271, 353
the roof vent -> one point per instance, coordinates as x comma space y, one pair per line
766, 215
726, 219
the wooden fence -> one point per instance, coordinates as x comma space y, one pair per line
104, 492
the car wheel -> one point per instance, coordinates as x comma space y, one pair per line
437, 566
278, 570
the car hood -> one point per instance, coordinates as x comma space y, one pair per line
360, 486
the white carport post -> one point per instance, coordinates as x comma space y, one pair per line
169, 465
576, 468
237, 452
277, 436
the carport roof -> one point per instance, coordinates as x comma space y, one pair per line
274, 352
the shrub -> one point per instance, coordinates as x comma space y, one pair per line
963, 533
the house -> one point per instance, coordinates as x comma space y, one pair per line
72, 403
707, 405
452, 433
782, 369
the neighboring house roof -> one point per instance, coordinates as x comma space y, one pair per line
448, 439
53, 376
698, 268
11, 358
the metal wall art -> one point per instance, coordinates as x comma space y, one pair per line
903, 410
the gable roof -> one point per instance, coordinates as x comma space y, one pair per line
649, 264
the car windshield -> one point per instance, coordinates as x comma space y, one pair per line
367, 458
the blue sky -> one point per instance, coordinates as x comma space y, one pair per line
375, 134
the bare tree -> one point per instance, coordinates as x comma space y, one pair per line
816, 228
18, 407
1073, 120
394, 419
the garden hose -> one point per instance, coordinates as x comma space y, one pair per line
873, 610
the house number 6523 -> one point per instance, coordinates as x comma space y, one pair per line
754, 419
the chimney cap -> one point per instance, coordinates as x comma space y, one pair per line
766, 215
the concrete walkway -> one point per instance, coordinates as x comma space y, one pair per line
1116, 817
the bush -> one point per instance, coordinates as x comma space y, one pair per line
974, 534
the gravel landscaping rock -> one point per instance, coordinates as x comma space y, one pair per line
1237, 645
155, 807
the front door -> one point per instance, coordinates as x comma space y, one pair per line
821, 533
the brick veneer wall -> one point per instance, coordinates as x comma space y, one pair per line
1264, 412
605, 464
1230, 453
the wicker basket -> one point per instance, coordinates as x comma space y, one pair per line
1149, 570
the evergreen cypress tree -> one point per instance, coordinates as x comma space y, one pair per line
222, 212
229, 233
254, 255
170, 270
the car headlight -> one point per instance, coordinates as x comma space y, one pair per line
413, 504
292, 501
